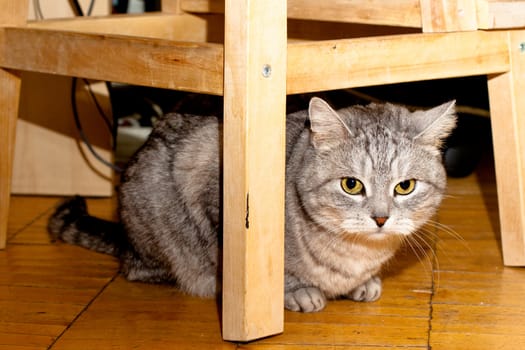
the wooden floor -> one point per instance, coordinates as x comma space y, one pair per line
456, 296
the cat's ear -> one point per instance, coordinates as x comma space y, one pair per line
327, 127
434, 125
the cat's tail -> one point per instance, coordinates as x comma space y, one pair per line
72, 224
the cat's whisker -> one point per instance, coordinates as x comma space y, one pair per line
450, 196
436, 270
451, 232
414, 243
423, 233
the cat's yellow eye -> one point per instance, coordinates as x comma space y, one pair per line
405, 187
352, 185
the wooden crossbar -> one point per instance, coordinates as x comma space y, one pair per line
473, 14
312, 66
153, 62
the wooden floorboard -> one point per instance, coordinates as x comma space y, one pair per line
457, 295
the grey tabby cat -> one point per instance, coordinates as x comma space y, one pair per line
358, 182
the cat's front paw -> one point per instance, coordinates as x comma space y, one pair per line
306, 299
368, 291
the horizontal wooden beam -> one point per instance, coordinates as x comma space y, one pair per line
151, 62
179, 27
499, 14
404, 13
327, 65
312, 66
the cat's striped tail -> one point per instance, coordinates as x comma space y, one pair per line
72, 224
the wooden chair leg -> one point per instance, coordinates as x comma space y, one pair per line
9, 99
254, 167
507, 106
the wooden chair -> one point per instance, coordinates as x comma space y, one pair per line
247, 58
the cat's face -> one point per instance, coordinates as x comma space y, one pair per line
375, 170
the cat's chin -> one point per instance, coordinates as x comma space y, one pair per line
381, 236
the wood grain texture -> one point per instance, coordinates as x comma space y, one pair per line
55, 296
325, 65
498, 14
253, 168
13, 13
448, 15
46, 148
177, 27
405, 13
170, 6
198, 66
432, 16
508, 129
151, 62
49, 157
10, 85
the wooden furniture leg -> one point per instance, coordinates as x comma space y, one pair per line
10, 84
507, 107
254, 167
12, 13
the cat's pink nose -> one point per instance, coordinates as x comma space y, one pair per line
380, 220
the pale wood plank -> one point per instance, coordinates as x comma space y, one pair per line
405, 13
326, 65
499, 14
151, 62
49, 158
179, 27
432, 16
448, 15
10, 85
13, 13
345, 62
254, 147
508, 129
170, 6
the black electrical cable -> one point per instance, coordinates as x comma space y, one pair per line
81, 130
106, 119
77, 9
90, 8
112, 127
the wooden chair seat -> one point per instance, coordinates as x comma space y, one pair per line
254, 53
